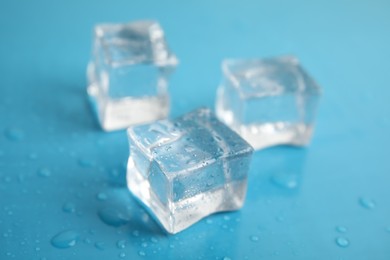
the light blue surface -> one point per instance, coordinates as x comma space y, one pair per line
54, 161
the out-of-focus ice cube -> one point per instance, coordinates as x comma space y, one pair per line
187, 168
268, 101
128, 74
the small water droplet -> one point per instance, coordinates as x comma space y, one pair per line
99, 245
68, 207
279, 219
113, 217
144, 244
44, 172
226, 258
135, 233
154, 240
171, 246
85, 163
7, 179
101, 196
254, 238
209, 221
121, 244
33, 156
141, 253
285, 180
87, 241
367, 203
37, 249
342, 242
65, 239
341, 229
14, 134
122, 255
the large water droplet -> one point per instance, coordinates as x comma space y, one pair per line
342, 242
14, 134
65, 239
113, 217
367, 203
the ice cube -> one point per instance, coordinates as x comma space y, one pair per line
188, 168
128, 74
268, 101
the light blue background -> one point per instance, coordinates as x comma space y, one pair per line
345, 45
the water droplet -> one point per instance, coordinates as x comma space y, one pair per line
388, 229
14, 134
144, 244
154, 240
68, 207
341, 229
44, 172
113, 217
99, 245
122, 255
101, 196
342, 241
85, 163
226, 258
7, 179
285, 180
189, 148
121, 244
135, 233
254, 238
367, 203
33, 156
37, 249
209, 221
65, 239
141, 253
279, 219
87, 241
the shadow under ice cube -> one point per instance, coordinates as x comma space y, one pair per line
188, 168
128, 74
269, 101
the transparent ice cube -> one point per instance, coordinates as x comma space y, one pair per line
128, 74
187, 168
268, 101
